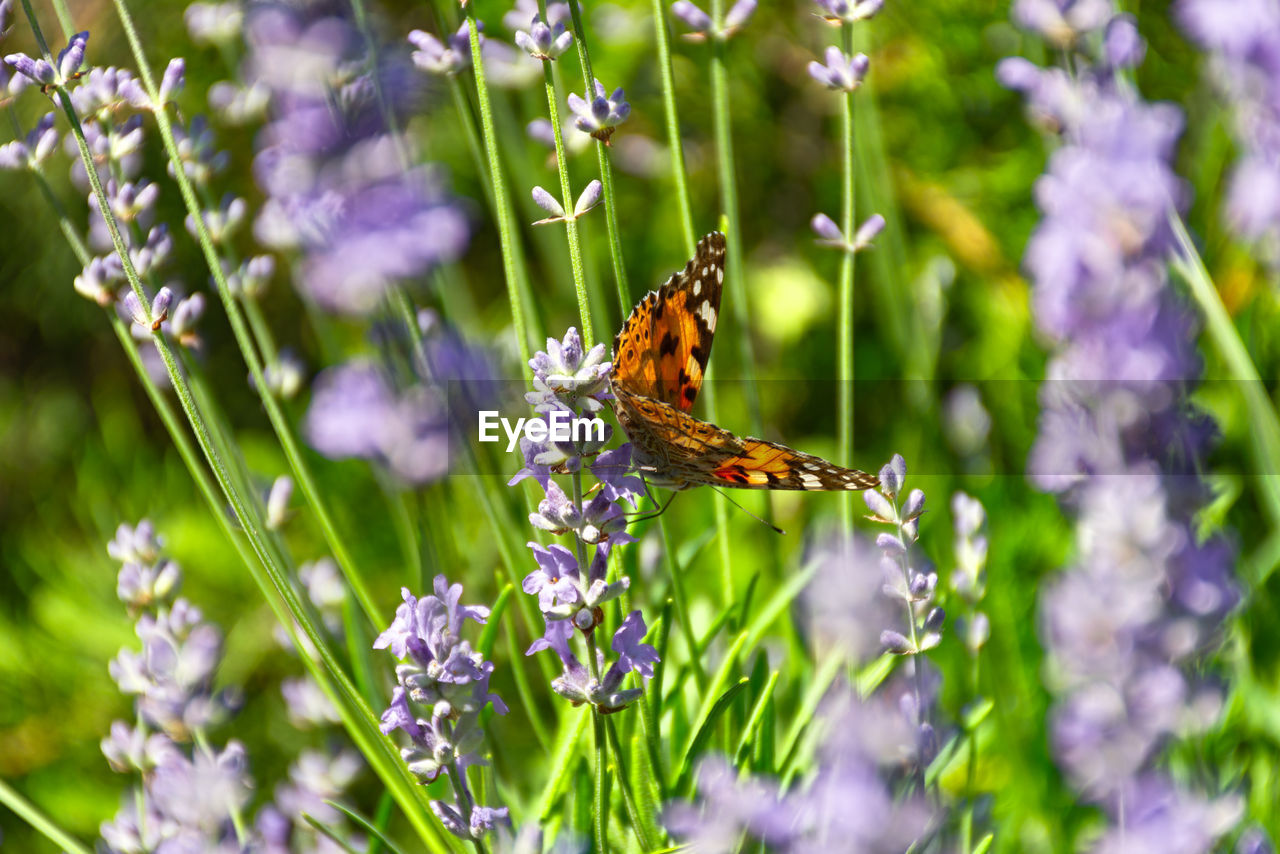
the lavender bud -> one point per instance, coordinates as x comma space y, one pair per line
890, 544
160, 308
868, 231
896, 643
1122, 46
696, 19
173, 80
214, 23
185, 317
71, 59
588, 199
826, 228
892, 475
278, 502
36, 70
914, 505
977, 632
880, 506
842, 73
548, 203
934, 621
738, 16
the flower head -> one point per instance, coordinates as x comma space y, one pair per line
447, 57
542, 41
564, 376
849, 11
599, 114
841, 72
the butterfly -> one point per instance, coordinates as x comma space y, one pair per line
659, 360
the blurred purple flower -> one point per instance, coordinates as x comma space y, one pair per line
447, 57
1243, 40
849, 11
355, 413
1118, 439
841, 72
1063, 21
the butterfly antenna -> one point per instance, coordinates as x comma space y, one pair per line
764, 522
644, 518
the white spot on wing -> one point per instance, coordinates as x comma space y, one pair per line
697, 287
708, 315
720, 275
810, 481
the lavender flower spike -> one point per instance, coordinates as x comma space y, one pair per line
705, 28
842, 73
600, 114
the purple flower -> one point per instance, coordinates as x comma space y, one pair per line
519, 16
566, 377
445, 675
844, 73
600, 113
849, 11
64, 70
702, 25
1243, 37
214, 23
555, 581
542, 41
632, 654
1117, 437
31, 152
449, 57
1063, 21
354, 413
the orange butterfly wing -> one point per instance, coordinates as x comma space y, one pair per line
688, 451
663, 348
660, 358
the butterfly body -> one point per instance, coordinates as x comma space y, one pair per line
660, 358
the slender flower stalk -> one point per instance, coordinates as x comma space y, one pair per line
506, 216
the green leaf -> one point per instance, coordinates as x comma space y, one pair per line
372, 829
763, 700
710, 714
490, 633
644, 784
778, 602
984, 844
325, 830
573, 725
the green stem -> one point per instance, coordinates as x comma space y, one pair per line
736, 289
1265, 427
844, 335
662, 35
463, 796
600, 811
567, 200
606, 171
506, 217
615, 237
40, 822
